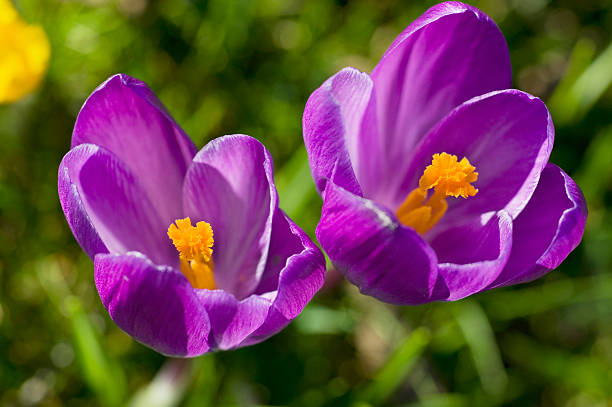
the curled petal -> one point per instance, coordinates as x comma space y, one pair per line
301, 276
473, 255
232, 321
74, 209
230, 185
294, 273
285, 241
332, 125
155, 305
107, 208
383, 258
452, 53
303, 273
124, 116
547, 230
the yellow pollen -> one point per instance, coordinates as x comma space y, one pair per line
194, 244
448, 177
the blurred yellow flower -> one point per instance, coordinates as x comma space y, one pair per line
24, 54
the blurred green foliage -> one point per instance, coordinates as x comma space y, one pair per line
240, 66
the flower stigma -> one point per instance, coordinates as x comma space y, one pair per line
194, 244
448, 177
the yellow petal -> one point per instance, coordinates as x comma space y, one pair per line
24, 54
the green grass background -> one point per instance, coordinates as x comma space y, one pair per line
225, 66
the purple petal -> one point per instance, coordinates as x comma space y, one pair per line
473, 255
303, 274
107, 208
232, 321
383, 258
450, 54
124, 116
301, 277
230, 186
155, 305
294, 273
79, 221
506, 135
547, 230
332, 125
284, 243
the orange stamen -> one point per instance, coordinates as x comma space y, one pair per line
194, 244
448, 177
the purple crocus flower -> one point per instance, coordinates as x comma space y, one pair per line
237, 276
434, 174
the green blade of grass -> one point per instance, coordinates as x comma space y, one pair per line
541, 298
102, 374
394, 371
583, 85
442, 400
169, 386
205, 383
480, 339
549, 364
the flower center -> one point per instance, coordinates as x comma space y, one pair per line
448, 177
194, 244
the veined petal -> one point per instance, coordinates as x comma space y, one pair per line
332, 123
285, 241
507, 135
452, 53
303, 272
230, 185
473, 255
366, 243
232, 321
294, 273
301, 276
106, 207
155, 305
74, 209
547, 230
124, 116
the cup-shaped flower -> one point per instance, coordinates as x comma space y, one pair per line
191, 251
434, 174
24, 54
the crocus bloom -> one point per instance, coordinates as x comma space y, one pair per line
434, 174
24, 54
191, 251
